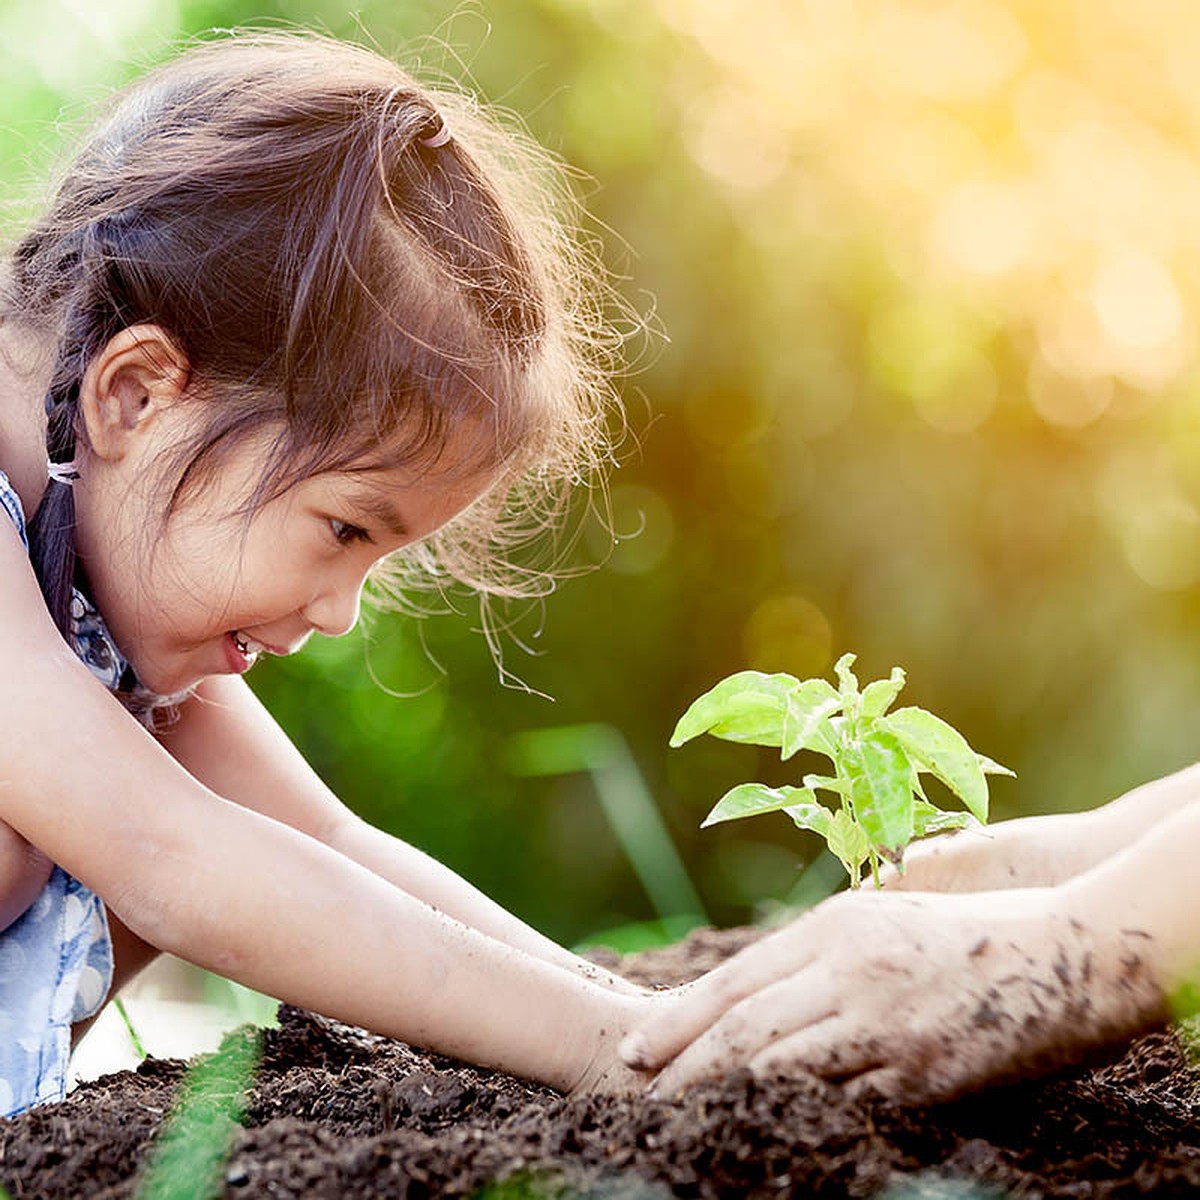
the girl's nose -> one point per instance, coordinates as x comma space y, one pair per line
334, 610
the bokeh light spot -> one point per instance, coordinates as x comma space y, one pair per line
1156, 524
737, 140
927, 352
985, 227
788, 632
1069, 401
945, 51
641, 534
1140, 313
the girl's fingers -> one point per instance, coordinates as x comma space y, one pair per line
743, 1031
662, 1037
702, 1003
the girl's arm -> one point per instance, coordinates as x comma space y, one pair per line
24, 870
1041, 851
228, 741
251, 898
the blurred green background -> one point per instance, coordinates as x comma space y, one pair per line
928, 277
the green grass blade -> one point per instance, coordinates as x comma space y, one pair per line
186, 1160
134, 1040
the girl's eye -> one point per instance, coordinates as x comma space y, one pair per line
344, 533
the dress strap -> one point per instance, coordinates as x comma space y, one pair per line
11, 503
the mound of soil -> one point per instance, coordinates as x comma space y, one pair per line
335, 1112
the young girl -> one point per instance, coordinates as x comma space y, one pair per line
289, 317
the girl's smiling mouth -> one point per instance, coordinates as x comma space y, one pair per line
243, 651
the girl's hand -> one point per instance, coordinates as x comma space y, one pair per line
917, 997
1027, 852
607, 1073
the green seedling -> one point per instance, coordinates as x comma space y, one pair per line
879, 803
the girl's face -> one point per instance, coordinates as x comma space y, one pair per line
215, 589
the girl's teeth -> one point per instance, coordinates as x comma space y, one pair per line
247, 646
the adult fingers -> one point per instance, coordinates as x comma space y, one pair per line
883, 1064
743, 1031
830, 1048
907, 1085
701, 1003
891, 1083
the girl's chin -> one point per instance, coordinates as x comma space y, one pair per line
164, 681
180, 673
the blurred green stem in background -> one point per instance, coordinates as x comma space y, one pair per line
602, 751
134, 1039
186, 1160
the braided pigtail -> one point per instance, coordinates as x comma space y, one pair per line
52, 529
91, 306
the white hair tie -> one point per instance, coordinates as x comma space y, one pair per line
66, 472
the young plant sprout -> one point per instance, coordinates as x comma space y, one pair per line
878, 759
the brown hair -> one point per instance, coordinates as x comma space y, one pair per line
287, 208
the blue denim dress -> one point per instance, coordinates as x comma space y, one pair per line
56, 958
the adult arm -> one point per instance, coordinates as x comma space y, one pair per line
924, 996
227, 739
1044, 850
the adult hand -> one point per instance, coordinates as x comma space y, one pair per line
916, 997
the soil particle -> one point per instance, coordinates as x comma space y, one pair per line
336, 1112
989, 1015
1062, 968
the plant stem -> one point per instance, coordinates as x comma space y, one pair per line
138, 1048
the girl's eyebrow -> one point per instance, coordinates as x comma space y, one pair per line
379, 507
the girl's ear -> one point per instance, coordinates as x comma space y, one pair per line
139, 374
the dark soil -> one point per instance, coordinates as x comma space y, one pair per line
339, 1113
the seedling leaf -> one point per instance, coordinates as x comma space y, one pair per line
878, 697
941, 750
880, 776
929, 820
811, 816
848, 842
746, 707
992, 767
878, 757
847, 681
831, 783
806, 718
750, 799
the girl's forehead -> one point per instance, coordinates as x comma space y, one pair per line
388, 494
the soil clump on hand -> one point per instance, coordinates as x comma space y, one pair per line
338, 1113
